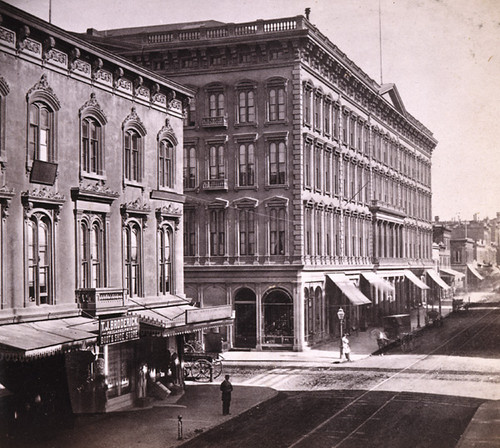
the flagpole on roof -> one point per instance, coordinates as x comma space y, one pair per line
380, 39
50, 11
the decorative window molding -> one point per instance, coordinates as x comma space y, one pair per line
134, 132
92, 141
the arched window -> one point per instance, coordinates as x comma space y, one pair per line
132, 152
133, 259
41, 132
165, 259
43, 106
91, 146
166, 164
133, 148
91, 254
40, 269
92, 121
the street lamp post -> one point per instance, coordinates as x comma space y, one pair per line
340, 315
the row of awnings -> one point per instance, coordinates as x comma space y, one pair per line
356, 297
31, 340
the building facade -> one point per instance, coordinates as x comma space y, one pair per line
307, 184
91, 231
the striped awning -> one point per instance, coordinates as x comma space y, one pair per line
38, 339
377, 281
415, 280
172, 320
355, 296
437, 279
474, 272
452, 272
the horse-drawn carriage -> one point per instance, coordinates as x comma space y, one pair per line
397, 330
200, 365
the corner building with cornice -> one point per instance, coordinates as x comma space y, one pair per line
307, 184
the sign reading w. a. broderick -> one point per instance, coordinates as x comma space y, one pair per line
118, 329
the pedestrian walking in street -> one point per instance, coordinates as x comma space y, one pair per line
346, 348
226, 388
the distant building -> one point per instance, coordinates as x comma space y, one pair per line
91, 230
308, 184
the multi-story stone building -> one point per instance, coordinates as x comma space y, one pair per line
307, 183
91, 205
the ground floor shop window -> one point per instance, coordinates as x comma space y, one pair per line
120, 370
278, 318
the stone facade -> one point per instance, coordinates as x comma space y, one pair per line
298, 167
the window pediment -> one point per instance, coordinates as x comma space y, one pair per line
133, 121
41, 91
93, 108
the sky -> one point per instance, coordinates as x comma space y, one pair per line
443, 56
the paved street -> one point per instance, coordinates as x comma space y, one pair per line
424, 398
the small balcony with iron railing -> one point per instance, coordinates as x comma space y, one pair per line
101, 301
214, 122
215, 184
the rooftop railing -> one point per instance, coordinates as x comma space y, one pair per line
227, 30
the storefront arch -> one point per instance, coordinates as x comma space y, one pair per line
278, 318
245, 318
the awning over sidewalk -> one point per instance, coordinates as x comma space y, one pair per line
437, 279
415, 280
29, 340
181, 319
474, 272
377, 281
355, 296
452, 272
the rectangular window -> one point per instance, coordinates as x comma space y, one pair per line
217, 232
247, 231
277, 223
216, 105
307, 105
327, 170
216, 162
277, 163
189, 232
327, 117
318, 169
246, 106
246, 165
276, 101
317, 112
307, 164
189, 168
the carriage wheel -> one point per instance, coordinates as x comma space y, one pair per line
187, 370
217, 368
201, 370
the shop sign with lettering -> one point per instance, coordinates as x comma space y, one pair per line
118, 329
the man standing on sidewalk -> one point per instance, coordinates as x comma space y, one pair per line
226, 388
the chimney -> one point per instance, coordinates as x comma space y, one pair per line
307, 12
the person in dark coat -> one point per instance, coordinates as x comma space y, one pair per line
226, 388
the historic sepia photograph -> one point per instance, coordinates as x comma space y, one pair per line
249, 223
